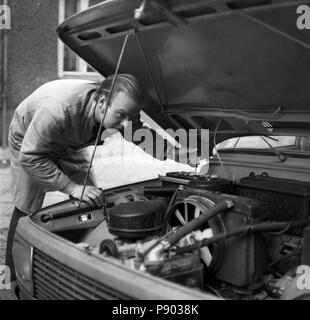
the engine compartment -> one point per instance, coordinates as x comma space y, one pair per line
241, 240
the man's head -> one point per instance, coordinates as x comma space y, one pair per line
126, 102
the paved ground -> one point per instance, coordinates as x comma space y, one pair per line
5, 209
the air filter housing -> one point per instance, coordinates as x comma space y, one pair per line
137, 219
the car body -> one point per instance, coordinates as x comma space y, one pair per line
238, 68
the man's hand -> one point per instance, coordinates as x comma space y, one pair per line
92, 195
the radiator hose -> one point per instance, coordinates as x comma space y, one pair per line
266, 226
155, 255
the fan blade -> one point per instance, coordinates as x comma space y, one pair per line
180, 217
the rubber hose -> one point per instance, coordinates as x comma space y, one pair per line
196, 223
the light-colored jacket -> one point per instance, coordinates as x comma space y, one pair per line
47, 137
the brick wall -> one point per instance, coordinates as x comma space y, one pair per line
32, 47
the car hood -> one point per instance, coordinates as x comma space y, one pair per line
244, 62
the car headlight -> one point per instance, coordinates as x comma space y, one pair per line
22, 255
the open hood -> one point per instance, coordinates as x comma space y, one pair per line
244, 61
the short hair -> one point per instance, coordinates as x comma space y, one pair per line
124, 82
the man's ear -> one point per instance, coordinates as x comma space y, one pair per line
101, 102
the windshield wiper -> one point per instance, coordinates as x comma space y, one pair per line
282, 157
272, 138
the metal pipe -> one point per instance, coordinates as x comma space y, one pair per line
4, 80
270, 226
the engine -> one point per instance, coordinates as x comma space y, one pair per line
236, 240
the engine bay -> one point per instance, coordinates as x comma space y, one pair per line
241, 240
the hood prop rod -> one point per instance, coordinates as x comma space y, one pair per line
107, 101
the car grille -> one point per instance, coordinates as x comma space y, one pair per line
55, 281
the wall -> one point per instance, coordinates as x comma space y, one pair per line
32, 48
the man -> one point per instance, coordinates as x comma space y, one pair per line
47, 135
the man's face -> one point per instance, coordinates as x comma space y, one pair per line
122, 109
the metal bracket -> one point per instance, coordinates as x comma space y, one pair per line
160, 6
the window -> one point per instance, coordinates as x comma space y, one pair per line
69, 64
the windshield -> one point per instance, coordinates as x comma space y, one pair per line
283, 143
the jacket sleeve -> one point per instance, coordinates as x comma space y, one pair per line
46, 127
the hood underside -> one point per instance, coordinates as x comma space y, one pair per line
244, 62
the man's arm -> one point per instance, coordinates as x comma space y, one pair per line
38, 144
